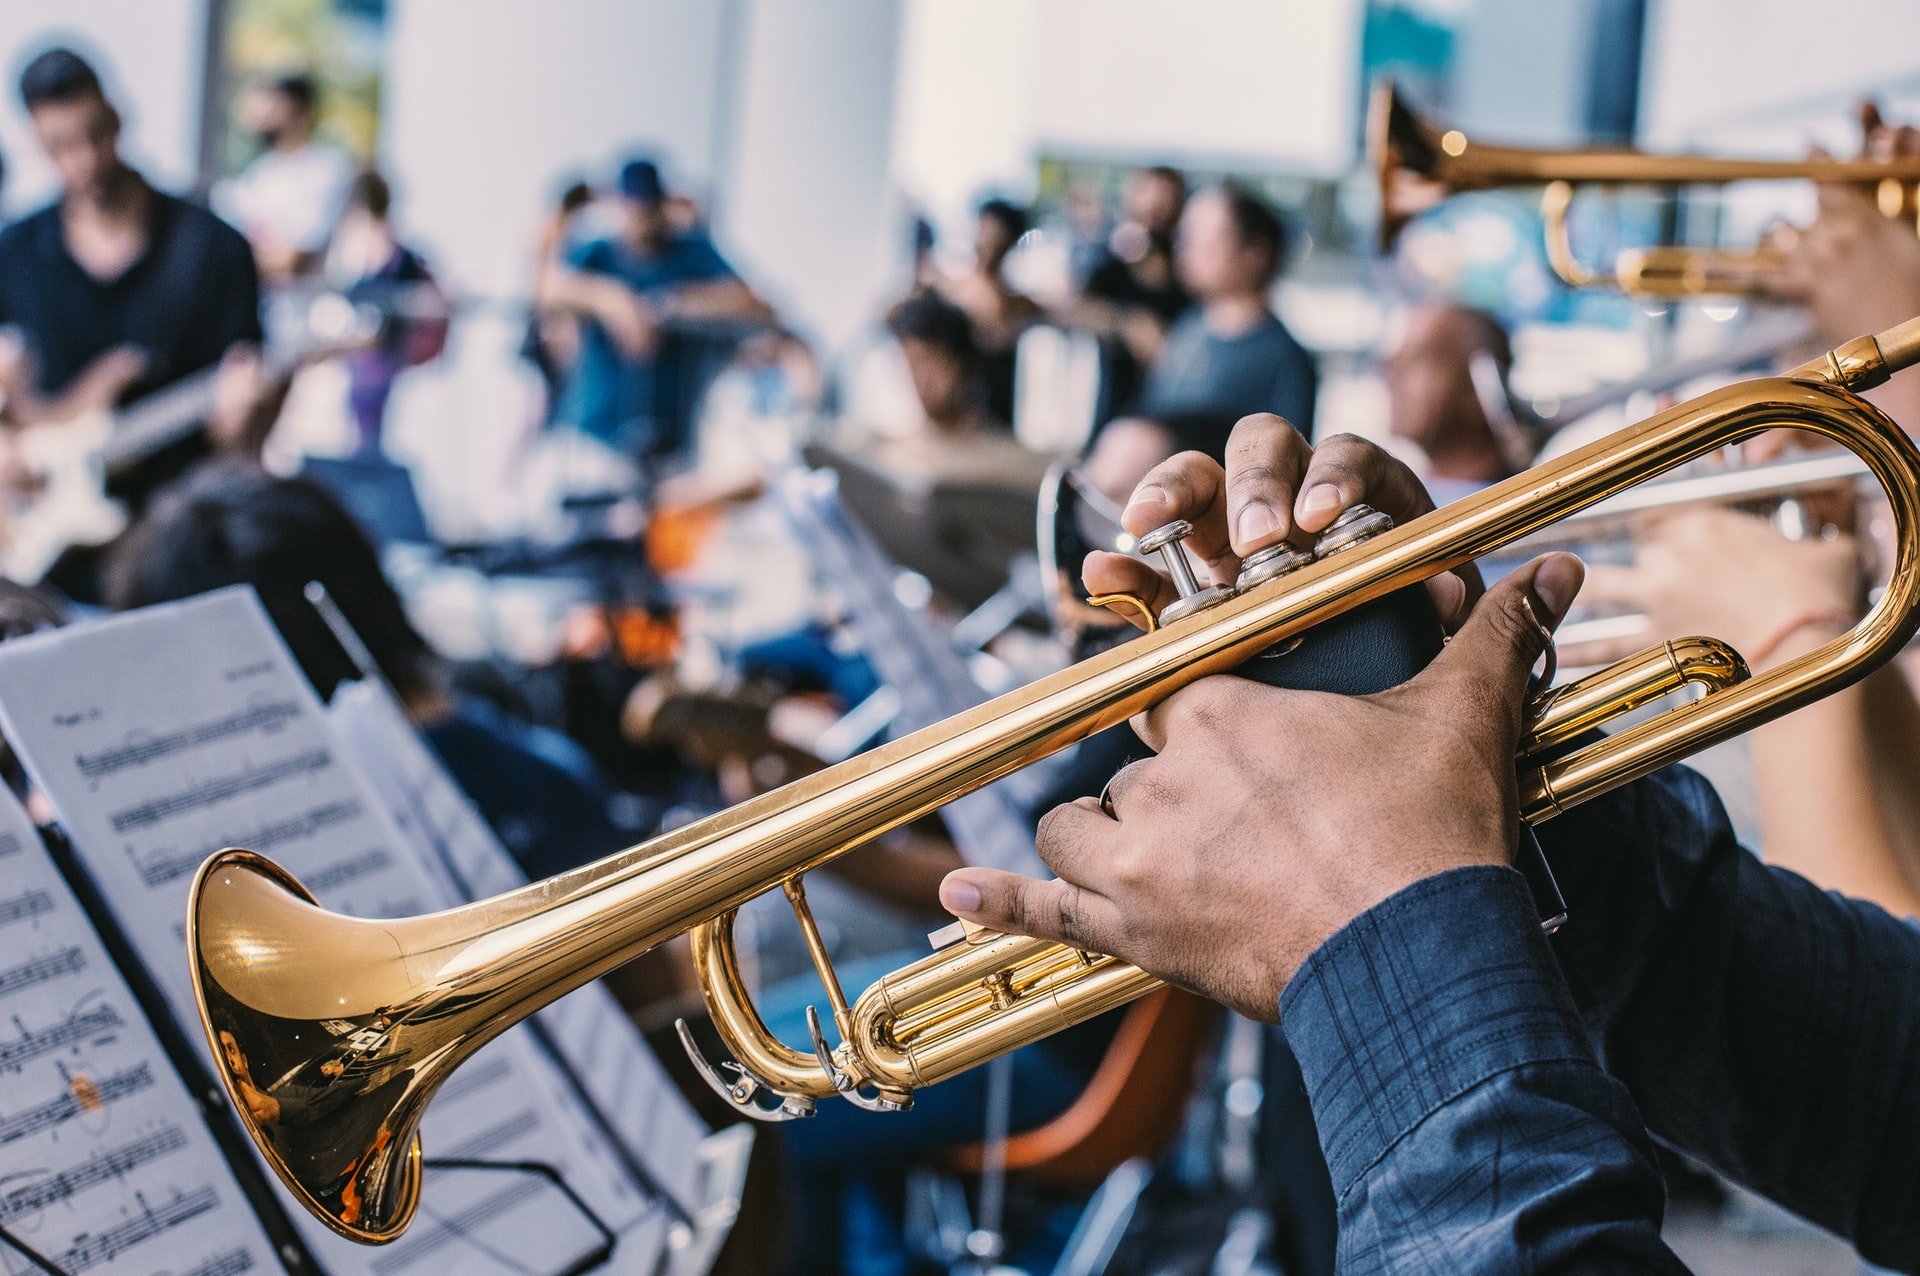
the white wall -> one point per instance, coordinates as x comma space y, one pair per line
1719, 67
806, 210
491, 107
986, 86
149, 54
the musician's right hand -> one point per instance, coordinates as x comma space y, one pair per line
1274, 487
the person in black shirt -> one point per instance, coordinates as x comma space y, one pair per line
116, 289
1230, 353
1133, 293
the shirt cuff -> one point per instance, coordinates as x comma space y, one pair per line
1418, 1000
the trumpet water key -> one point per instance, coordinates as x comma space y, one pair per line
333, 1033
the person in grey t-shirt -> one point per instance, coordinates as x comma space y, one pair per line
1230, 353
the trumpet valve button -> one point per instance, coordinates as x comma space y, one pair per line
1267, 564
1166, 542
1359, 523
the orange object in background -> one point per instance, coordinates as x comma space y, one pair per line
636, 636
676, 537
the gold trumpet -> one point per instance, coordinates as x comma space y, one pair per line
1419, 163
333, 1033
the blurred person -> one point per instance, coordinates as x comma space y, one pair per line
371, 267
288, 199
234, 524
1132, 292
999, 311
1435, 401
1230, 353
552, 342
628, 291
1837, 783
116, 289
113, 292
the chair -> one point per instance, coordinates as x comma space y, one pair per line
1131, 1107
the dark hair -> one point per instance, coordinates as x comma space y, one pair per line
298, 88
576, 197
930, 318
58, 76
1169, 174
1012, 218
1256, 225
233, 524
371, 192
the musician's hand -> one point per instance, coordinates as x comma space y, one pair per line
1274, 487
1271, 818
1855, 270
99, 385
246, 399
1728, 576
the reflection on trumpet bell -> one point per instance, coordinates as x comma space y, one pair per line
1418, 164
333, 1033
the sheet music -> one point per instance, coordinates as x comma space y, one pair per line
911, 657
607, 1053
105, 1164
164, 735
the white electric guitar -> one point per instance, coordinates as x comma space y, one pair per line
66, 464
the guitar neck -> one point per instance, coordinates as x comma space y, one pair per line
171, 414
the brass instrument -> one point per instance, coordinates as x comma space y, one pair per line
1419, 163
333, 1033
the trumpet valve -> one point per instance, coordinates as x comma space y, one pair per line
1166, 541
1269, 564
1359, 523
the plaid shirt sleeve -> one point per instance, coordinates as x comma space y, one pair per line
1466, 1121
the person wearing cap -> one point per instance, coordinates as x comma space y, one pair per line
628, 291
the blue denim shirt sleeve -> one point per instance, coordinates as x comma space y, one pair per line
1467, 1123
1764, 1026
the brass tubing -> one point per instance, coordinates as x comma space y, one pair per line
287, 991
1637, 681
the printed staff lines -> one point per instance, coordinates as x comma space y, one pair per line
211, 792
103, 1247
75, 1028
25, 907
38, 970
158, 869
31, 1121
231, 1263
265, 718
9, 845
103, 1166
439, 1231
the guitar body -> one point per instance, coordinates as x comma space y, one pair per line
68, 505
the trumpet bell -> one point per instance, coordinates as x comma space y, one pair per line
303, 1010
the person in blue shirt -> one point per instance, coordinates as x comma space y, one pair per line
631, 292
1487, 1098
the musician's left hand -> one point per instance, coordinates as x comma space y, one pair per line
1275, 486
1271, 818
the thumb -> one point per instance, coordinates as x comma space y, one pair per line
1492, 655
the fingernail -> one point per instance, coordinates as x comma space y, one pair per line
1155, 495
1255, 521
1557, 581
959, 896
1323, 498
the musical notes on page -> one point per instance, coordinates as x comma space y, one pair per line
602, 1048
163, 735
105, 1166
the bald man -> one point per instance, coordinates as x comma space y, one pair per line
1437, 403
